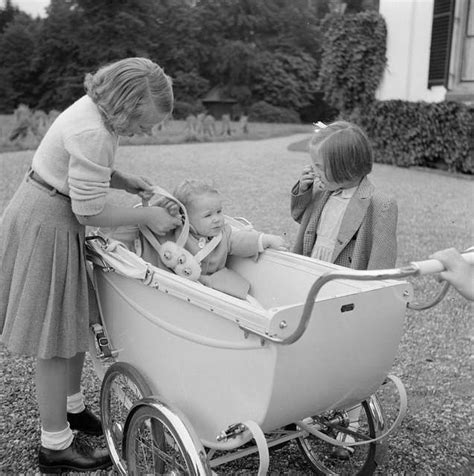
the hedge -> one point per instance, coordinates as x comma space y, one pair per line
353, 59
261, 111
406, 133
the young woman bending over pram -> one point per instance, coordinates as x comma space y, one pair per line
46, 299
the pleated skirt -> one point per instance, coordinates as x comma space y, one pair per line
46, 297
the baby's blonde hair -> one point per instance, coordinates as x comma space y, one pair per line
121, 90
345, 149
188, 189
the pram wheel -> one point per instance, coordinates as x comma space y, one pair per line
365, 422
160, 441
122, 386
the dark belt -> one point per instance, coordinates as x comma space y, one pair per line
34, 176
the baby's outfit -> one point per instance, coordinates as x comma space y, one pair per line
214, 273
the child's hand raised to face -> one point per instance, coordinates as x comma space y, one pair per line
307, 178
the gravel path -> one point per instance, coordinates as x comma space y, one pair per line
434, 358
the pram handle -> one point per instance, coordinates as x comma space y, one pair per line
432, 266
413, 269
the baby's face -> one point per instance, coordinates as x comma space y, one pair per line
205, 214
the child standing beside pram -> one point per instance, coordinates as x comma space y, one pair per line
343, 218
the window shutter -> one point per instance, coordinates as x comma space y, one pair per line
441, 34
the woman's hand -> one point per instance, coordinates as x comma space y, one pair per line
160, 221
458, 272
170, 205
132, 184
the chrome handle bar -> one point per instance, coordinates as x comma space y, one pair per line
413, 269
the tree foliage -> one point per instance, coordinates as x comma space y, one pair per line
285, 80
353, 58
17, 47
255, 50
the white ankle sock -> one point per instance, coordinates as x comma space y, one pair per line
57, 440
75, 403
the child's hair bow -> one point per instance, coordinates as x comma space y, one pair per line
319, 125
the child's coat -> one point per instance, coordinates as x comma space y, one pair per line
367, 237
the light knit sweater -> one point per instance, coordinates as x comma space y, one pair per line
76, 156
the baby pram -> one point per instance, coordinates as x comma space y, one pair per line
191, 375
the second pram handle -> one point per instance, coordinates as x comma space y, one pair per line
432, 266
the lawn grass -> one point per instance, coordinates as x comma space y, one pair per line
435, 212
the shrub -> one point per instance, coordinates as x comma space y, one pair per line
284, 80
183, 109
263, 112
353, 59
408, 133
318, 110
189, 86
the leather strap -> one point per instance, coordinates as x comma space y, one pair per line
209, 246
183, 236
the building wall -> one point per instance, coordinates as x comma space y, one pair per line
409, 25
461, 77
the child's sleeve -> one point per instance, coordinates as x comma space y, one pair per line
90, 165
243, 243
383, 254
299, 201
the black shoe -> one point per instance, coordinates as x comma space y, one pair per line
86, 422
77, 457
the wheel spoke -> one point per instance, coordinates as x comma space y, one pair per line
122, 386
158, 443
327, 458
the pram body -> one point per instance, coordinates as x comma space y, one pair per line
222, 360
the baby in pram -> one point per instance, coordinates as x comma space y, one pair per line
211, 240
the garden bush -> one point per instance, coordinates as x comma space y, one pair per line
183, 109
188, 86
353, 60
284, 79
318, 110
406, 133
263, 112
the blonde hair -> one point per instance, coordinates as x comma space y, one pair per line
188, 189
121, 90
345, 149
